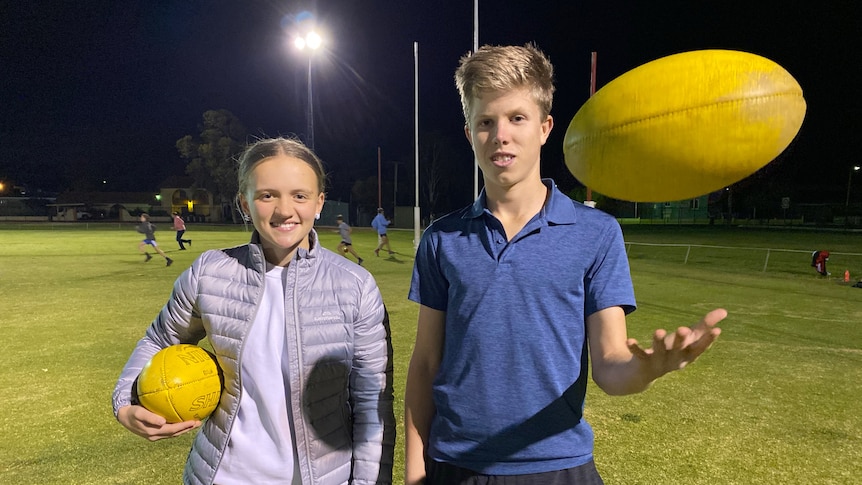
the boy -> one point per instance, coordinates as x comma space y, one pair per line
346, 244
514, 290
380, 223
148, 229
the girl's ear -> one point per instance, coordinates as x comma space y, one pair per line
320, 201
243, 205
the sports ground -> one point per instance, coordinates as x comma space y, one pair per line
775, 401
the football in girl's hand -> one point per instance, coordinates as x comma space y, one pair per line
180, 383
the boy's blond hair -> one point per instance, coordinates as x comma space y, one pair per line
503, 68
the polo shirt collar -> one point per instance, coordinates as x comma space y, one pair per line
558, 209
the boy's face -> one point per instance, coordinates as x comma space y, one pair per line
507, 131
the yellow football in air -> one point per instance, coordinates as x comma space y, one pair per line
684, 125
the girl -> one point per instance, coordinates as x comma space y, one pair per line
300, 333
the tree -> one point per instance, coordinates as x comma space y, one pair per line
445, 174
212, 154
364, 194
580, 194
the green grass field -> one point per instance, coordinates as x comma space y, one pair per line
775, 401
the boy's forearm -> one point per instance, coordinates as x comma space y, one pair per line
418, 411
414, 466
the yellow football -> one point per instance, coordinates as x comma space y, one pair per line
180, 383
684, 125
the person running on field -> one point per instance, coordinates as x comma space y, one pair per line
380, 223
180, 227
346, 244
148, 229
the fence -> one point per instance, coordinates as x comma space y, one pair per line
163, 226
794, 261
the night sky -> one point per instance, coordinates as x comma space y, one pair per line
96, 93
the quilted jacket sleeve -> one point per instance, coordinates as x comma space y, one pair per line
371, 391
177, 322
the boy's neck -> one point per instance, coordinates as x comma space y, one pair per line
513, 198
515, 205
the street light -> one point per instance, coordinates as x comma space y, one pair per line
310, 41
854, 168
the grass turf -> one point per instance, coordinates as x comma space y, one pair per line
776, 400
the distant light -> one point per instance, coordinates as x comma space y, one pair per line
856, 168
159, 197
104, 181
311, 40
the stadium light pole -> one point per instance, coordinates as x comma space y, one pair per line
475, 48
854, 168
417, 231
309, 42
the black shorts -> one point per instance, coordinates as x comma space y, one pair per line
446, 474
346, 243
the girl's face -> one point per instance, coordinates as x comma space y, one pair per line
282, 199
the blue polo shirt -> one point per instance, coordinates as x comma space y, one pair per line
512, 380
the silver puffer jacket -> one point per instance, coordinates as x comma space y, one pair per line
343, 415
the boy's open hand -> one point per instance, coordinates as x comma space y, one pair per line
674, 351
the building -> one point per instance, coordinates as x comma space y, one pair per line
176, 195
195, 205
693, 211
